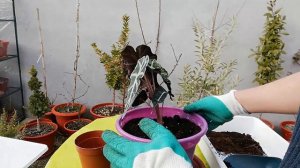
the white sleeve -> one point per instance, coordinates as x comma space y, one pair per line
162, 158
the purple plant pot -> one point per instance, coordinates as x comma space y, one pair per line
188, 144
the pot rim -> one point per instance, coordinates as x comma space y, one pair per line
284, 123
57, 113
204, 127
85, 119
84, 134
40, 136
102, 105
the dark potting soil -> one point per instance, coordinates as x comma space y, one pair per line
107, 111
32, 131
180, 127
68, 109
77, 124
234, 142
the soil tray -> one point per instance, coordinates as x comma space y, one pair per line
271, 143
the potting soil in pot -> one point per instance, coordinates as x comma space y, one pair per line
68, 109
180, 127
33, 132
77, 124
107, 111
234, 142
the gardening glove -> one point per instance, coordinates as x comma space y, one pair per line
216, 110
164, 151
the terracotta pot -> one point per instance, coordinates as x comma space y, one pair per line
89, 146
3, 84
70, 131
102, 105
62, 118
268, 123
3, 48
188, 143
47, 139
286, 133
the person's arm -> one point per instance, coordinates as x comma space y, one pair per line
281, 96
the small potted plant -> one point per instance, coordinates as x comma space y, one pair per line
8, 124
39, 131
268, 53
3, 85
68, 115
115, 76
3, 48
287, 128
143, 68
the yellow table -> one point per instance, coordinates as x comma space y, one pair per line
66, 155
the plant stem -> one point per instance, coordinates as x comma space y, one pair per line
42, 51
114, 100
38, 126
158, 114
77, 54
158, 28
140, 23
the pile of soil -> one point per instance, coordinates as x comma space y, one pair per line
233, 142
33, 132
77, 124
180, 127
107, 111
68, 109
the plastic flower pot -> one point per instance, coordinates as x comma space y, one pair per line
3, 84
95, 115
63, 117
47, 139
286, 130
268, 123
70, 131
188, 143
89, 146
3, 48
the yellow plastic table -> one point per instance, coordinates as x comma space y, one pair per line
67, 156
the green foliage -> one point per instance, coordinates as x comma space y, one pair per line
210, 76
8, 124
268, 53
39, 103
113, 62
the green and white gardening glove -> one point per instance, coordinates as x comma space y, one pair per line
216, 110
164, 151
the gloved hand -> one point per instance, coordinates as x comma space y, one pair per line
216, 110
164, 151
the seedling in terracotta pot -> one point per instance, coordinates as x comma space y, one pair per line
115, 75
40, 132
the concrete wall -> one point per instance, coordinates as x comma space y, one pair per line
100, 22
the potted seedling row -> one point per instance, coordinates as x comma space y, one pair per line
143, 68
116, 78
40, 131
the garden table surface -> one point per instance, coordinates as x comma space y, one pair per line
15, 153
67, 156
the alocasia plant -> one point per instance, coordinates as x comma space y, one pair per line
142, 67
